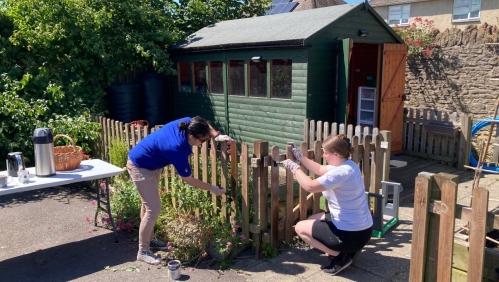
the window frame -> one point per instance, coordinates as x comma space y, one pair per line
229, 86
194, 80
179, 79
401, 7
470, 2
264, 62
272, 79
210, 77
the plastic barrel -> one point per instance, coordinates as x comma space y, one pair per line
154, 101
123, 102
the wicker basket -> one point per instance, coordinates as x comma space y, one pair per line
67, 157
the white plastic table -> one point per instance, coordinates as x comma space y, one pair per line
88, 170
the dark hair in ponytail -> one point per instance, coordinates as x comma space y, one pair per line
338, 144
197, 127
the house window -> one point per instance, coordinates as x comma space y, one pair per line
399, 14
184, 77
216, 78
466, 9
280, 78
236, 77
199, 77
258, 78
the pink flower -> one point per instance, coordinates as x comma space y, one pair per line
236, 226
87, 218
102, 185
192, 268
92, 202
242, 237
417, 42
49, 228
89, 230
408, 41
229, 244
233, 234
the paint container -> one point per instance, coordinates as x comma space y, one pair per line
174, 269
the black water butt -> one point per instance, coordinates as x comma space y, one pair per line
124, 102
154, 98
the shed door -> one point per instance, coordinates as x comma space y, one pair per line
343, 58
392, 90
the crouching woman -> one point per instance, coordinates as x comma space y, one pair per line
343, 231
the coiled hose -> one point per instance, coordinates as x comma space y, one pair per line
474, 129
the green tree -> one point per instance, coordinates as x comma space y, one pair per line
192, 15
58, 56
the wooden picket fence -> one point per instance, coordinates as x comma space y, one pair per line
438, 136
319, 130
438, 253
274, 216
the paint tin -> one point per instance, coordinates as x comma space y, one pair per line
174, 269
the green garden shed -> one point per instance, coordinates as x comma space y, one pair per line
259, 78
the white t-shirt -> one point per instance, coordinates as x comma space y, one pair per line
345, 194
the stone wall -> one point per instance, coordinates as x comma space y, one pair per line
462, 74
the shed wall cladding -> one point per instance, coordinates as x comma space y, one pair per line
348, 27
208, 106
250, 118
277, 120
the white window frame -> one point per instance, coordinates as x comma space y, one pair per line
469, 18
400, 10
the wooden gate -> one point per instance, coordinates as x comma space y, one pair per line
392, 90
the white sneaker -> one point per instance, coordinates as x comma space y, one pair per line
148, 256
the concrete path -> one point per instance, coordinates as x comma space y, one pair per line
44, 237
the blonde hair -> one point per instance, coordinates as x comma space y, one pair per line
339, 144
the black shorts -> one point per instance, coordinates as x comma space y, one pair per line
338, 240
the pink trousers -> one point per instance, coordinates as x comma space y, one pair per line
146, 181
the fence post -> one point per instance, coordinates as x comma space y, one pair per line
465, 141
260, 196
274, 197
302, 194
289, 199
386, 148
244, 189
420, 226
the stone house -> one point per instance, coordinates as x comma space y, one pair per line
446, 14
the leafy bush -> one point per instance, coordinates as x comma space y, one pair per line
58, 56
126, 203
118, 153
418, 36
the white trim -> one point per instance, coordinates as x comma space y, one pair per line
398, 3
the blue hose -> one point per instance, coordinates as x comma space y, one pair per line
474, 129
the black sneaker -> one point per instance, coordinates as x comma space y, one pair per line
337, 264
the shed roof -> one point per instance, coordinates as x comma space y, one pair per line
277, 29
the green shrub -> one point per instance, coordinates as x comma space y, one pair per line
118, 153
126, 203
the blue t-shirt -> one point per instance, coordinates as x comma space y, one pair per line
163, 147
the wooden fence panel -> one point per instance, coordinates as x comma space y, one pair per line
478, 232
437, 144
263, 228
274, 197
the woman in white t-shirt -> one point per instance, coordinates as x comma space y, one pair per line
346, 228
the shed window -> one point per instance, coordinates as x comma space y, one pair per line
216, 78
236, 77
200, 77
258, 78
466, 9
280, 78
184, 77
399, 14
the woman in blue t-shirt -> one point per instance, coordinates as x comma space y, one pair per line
171, 144
346, 228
